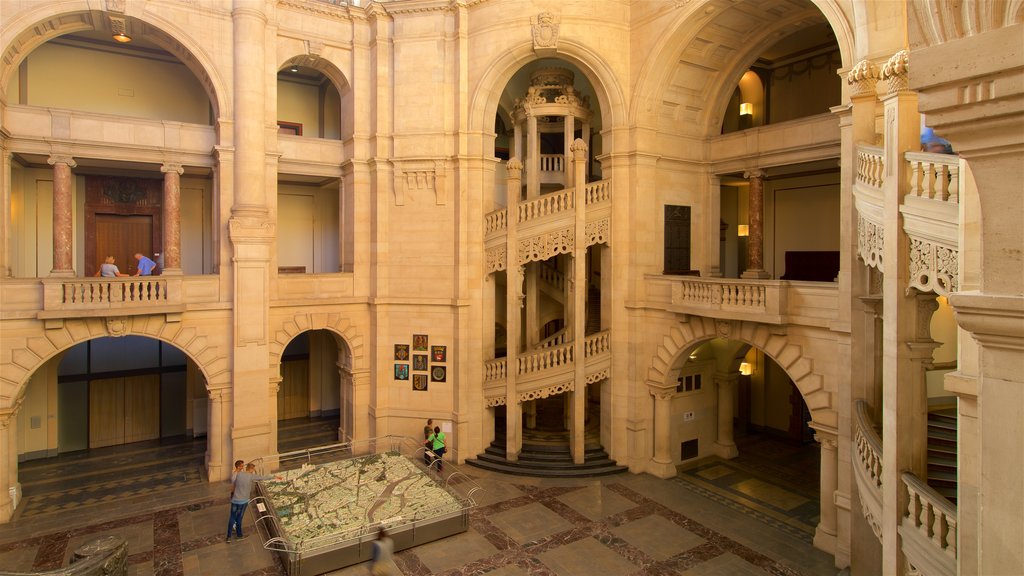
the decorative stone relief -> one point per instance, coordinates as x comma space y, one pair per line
597, 376
496, 401
420, 177
933, 267
496, 259
872, 521
546, 245
926, 307
599, 232
117, 327
870, 240
897, 71
863, 78
521, 286
115, 6
546, 391
545, 30
723, 328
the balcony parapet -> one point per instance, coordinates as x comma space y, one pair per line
928, 529
867, 466
547, 370
307, 288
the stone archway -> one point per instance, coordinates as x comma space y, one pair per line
788, 356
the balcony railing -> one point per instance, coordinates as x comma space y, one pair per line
547, 365
928, 529
596, 194
867, 465
127, 296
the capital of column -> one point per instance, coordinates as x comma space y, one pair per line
662, 393
55, 159
863, 78
514, 167
897, 72
172, 168
753, 174
579, 149
827, 441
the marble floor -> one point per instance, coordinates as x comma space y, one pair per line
737, 517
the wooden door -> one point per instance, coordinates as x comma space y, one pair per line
106, 412
141, 408
121, 237
293, 394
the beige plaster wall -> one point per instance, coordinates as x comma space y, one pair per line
800, 214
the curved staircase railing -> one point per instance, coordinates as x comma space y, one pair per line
928, 529
868, 466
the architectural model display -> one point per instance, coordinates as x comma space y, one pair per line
322, 501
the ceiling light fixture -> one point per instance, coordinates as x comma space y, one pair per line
294, 68
119, 31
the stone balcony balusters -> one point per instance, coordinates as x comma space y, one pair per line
928, 530
867, 466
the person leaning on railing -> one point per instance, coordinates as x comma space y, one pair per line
108, 269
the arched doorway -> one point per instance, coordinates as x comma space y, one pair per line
116, 417
315, 396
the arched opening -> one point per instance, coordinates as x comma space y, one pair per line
315, 396
110, 409
741, 429
309, 104
130, 97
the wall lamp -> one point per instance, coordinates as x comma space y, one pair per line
746, 369
746, 109
743, 230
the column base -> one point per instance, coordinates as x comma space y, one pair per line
62, 273
823, 540
755, 274
15, 495
661, 469
727, 451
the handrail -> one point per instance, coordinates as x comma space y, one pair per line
868, 444
929, 528
870, 165
934, 176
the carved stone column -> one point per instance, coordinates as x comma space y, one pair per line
725, 445
6, 506
662, 465
825, 533
216, 441
170, 208
755, 212
569, 130
579, 307
5, 207
63, 226
904, 398
532, 157
513, 311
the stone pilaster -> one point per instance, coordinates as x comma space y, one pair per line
825, 533
6, 505
661, 464
513, 312
63, 226
170, 208
725, 444
5, 206
218, 451
755, 214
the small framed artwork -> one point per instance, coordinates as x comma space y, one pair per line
439, 353
401, 352
419, 381
438, 374
401, 371
419, 342
419, 362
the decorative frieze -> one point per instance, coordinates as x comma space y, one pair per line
546, 391
870, 240
599, 232
495, 259
933, 267
545, 246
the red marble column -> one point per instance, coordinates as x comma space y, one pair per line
755, 213
63, 230
171, 214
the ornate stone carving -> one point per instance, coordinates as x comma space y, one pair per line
496, 259
545, 30
546, 391
872, 521
115, 6
870, 241
521, 286
599, 232
117, 326
514, 167
862, 78
897, 71
933, 267
494, 402
597, 376
723, 328
546, 245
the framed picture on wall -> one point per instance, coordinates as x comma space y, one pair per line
419, 362
401, 371
419, 381
419, 342
438, 374
401, 351
439, 353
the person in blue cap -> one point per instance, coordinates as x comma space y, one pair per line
930, 142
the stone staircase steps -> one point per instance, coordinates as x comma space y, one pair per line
547, 461
942, 451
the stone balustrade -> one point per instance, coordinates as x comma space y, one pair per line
545, 359
495, 369
934, 176
928, 529
556, 339
495, 222
546, 205
552, 163
597, 192
548, 367
552, 277
867, 465
774, 301
133, 295
870, 166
